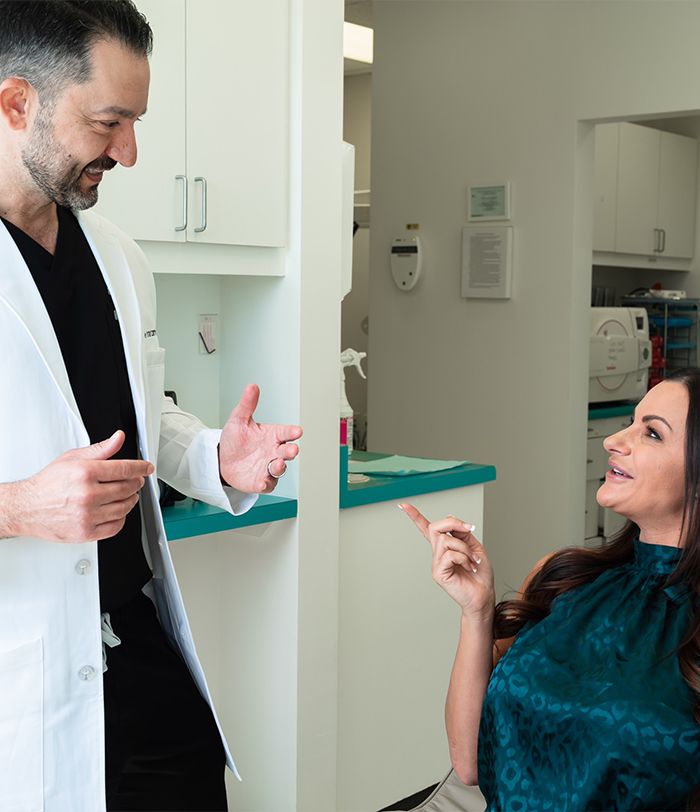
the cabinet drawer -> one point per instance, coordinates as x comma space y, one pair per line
596, 458
592, 510
608, 425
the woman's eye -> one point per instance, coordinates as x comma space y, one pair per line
653, 434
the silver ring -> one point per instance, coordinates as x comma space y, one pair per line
275, 476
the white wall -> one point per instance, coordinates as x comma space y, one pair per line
194, 377
469, 92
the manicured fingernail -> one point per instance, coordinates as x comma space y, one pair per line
400, 507
470, 527
474, 570
478, 560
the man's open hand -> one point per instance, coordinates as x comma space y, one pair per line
247, 448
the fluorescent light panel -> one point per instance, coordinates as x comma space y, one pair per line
358, 42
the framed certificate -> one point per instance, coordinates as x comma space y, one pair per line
490, 202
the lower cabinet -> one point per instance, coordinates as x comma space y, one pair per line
601, 524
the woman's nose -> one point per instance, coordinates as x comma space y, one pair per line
617, 443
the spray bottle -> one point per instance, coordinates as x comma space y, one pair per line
348, 358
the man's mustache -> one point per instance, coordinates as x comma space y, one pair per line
101, 164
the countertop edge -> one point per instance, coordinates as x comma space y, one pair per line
189, 518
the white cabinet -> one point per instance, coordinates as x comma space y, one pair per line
645, 191
213, 145
600, 522
605, 184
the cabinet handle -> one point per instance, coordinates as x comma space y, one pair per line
663, 240
204, 204
657, 240
183, 178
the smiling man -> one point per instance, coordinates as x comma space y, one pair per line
103, 703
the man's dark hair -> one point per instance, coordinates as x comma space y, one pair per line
48, 42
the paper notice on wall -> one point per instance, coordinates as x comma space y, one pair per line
487, 256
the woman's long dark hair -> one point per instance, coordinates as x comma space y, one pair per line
574, 566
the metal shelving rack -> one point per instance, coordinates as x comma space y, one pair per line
675, 322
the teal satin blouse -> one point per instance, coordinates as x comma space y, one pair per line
588, 708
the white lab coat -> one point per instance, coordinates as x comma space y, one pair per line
51, 705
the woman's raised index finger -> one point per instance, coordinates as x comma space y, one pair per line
417, 518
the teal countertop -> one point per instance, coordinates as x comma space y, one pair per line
189, 518
618, 410
392, 488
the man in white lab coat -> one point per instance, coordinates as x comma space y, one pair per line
103, 703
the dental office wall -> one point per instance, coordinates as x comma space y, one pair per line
477, 92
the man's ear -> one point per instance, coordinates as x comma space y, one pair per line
17, 97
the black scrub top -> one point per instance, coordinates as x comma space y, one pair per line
87, 328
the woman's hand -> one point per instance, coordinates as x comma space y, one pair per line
460, 564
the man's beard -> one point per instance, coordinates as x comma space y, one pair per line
51, 169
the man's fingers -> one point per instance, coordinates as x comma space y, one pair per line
288, 451
418, 519
286, 434
109, 492
119, 470
108, 529
99, 451
277, 468
247, 404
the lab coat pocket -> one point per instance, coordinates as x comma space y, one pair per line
155, 384
21, 728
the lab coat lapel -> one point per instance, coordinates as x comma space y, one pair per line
116, 273
21, 295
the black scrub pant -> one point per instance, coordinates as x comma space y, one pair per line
163, 749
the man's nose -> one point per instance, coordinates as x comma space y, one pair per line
122, 148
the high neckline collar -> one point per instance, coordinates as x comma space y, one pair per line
659, 558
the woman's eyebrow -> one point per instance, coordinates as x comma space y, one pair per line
649, 417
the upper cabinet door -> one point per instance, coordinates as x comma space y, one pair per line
637, 189
238, 121
147, 200
605, 187
677, 193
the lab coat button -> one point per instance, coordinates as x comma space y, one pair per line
87, 672
83, 566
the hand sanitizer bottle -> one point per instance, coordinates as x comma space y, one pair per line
348, 358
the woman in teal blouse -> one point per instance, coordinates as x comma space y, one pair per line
584, 693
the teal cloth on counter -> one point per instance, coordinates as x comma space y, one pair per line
396, 465
588, 709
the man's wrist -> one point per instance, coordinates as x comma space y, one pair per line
9, 512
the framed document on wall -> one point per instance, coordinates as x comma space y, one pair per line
487, 262
488, 202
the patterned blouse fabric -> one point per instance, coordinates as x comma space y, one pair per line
588, 709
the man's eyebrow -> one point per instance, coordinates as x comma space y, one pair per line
122, 112
649, 417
